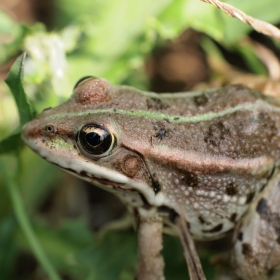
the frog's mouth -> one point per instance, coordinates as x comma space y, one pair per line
93, 179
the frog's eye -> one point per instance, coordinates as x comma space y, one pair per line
83, 80
96, 140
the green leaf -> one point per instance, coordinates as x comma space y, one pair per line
11, 144
24, 222
8, 228
107, 259
14, 81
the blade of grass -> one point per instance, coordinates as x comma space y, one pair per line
24, 222
14, 81
13, 142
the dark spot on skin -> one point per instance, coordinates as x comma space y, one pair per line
115, 110
216, 133
233, 217
161, 134
246, 249
250, 197
189, 179
240, 236
201, 219
200, 100
271, 218
231, 189
176, 118
70, 135
156, 104
156, 186
217, 228
262, 206
149, 104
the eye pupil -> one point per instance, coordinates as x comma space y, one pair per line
94, 139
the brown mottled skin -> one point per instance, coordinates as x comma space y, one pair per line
257, 250
215, 164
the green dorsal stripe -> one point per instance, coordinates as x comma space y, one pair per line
172, 118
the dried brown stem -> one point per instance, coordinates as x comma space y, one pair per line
258, 25
191, 256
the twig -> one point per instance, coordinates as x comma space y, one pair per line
191, 256
268, 58
258, 25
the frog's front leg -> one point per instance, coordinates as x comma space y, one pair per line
150, 260
257, 239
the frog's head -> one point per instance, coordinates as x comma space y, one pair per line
82, 137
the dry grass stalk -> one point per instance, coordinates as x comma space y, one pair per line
258, 25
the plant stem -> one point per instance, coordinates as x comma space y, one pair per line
24, 222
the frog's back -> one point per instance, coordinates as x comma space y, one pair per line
223, 148
171, 151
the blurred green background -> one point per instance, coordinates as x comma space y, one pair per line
48, 219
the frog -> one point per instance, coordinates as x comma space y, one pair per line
201, 164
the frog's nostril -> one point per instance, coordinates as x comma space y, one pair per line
50, 129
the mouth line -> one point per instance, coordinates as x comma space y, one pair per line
84, 174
